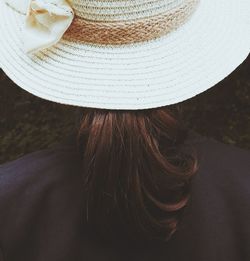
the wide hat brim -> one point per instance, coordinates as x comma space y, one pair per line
171, 69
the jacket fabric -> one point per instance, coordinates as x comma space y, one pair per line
40, 210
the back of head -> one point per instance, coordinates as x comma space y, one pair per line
136, 172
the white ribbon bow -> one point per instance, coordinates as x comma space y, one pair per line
46, 21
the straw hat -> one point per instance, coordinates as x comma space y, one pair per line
122, 54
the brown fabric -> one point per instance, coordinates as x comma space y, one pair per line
125, 32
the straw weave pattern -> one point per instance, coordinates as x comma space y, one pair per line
124, 32
212, 43
122, 10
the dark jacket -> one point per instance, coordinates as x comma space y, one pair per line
40, 210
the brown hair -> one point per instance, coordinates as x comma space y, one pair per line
136, 171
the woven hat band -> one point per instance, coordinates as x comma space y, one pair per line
130, 31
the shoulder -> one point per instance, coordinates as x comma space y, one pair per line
40, 179
219, 210
216, 156
228, 167
39, 167
225, 166
221, 188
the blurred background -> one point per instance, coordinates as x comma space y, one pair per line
28, 123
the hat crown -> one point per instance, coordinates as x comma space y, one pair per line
123, 10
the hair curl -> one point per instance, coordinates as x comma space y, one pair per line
136, 171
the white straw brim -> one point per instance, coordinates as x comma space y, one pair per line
165, 71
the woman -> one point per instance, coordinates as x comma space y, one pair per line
132, 182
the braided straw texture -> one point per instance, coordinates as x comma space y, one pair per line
131, 31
